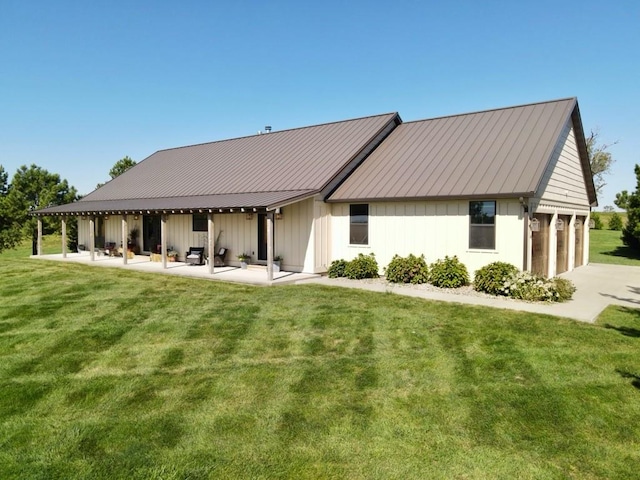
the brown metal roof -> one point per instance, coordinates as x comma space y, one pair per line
255, 171
492, 153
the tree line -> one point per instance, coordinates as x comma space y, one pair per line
30, 189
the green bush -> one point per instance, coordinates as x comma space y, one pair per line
526, 286
411, 269
363, 266
597, 221
336, 269
490, 278
448, 273
564, 289
615, 221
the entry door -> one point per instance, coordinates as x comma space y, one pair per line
151, 233
262, 237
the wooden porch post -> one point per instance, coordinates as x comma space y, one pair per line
92, 237
163, 239
211, 242
64, 237
270, 216
39, 244
124, 239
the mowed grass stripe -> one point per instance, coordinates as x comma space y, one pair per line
117, 374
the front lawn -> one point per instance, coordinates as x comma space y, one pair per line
119, 374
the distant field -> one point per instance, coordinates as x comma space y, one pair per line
605, 216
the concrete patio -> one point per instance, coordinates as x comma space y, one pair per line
254, 275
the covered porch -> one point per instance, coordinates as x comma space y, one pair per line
254, 275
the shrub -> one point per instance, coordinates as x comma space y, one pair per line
449, 273
526, 286
597, 221
411, 269
336, 269
564, 289
615, 221
490, 278
363, 266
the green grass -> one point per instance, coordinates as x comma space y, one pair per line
118, 374
606, 247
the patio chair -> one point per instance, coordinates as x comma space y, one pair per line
218, 258
195, 256
110, 249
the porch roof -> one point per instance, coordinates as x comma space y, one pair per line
259, 171
197, 203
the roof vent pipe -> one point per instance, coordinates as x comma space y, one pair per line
267, 128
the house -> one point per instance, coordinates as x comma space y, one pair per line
511, 184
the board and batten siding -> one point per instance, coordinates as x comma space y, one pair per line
435, 229
563, 181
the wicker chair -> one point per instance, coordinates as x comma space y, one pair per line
195, 256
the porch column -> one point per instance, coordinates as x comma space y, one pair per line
163, 239
211, 242
64, 237
124, 239
92, 237
39, 244
270, 246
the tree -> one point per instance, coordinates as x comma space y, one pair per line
30, 189
631, 202
119, 168
599, 158
615, 221
597, 221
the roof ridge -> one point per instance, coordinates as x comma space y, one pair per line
276, 132
493, 110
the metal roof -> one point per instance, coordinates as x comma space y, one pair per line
257, 171
500, 152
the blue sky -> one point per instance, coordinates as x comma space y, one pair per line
82, 84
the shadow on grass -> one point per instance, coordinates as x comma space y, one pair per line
623, 251
635, 378
626, 331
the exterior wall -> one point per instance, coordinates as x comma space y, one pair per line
434, 229
563, 181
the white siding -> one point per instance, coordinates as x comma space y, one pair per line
563, 180
434, 229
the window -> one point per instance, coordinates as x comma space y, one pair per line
482, 225
359, 224
200, 222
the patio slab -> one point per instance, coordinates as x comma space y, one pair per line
142, 263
